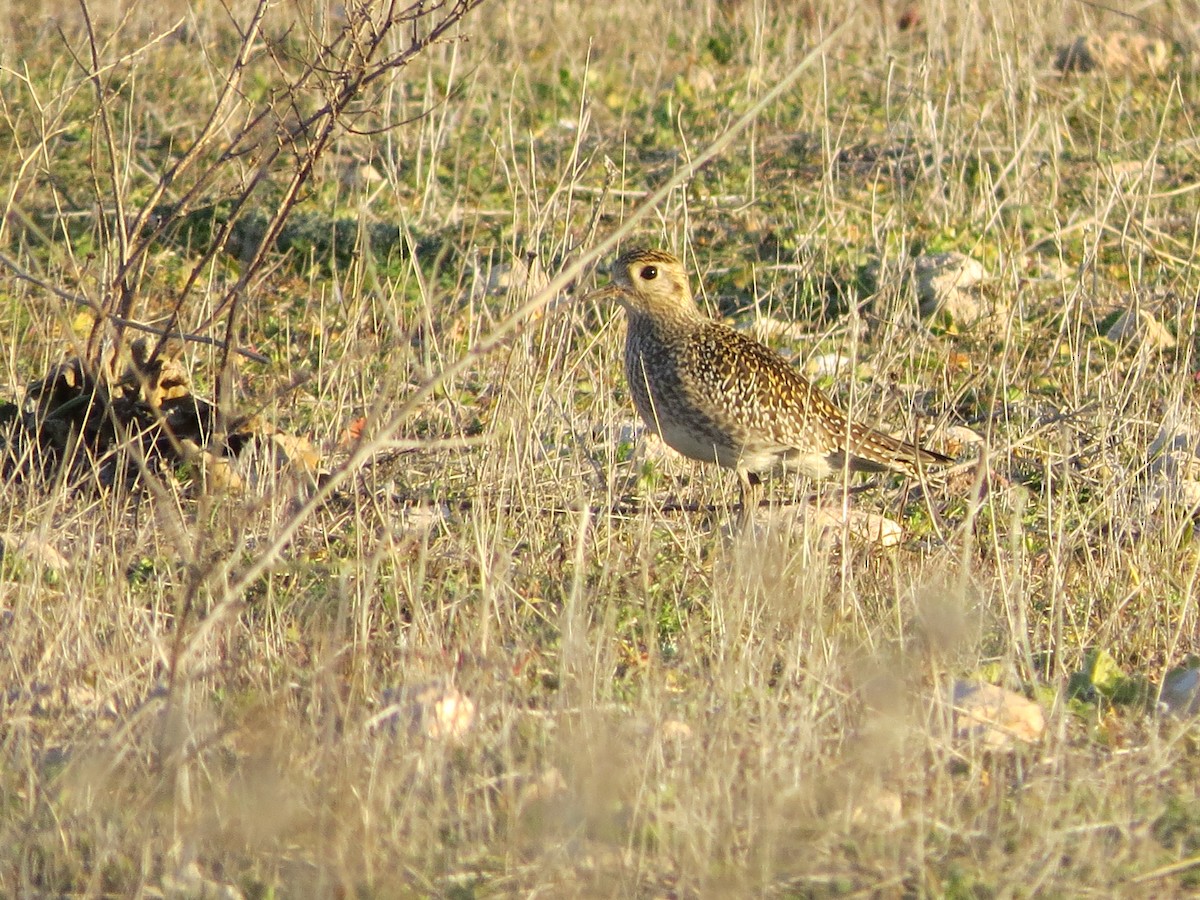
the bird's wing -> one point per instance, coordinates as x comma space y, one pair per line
762, 394
756, 388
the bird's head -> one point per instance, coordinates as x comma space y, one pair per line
650, 283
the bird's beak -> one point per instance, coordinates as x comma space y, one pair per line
601, 295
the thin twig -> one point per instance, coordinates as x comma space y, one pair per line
88, 303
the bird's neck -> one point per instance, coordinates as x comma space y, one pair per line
683, 316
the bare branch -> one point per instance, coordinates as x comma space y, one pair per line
88, 303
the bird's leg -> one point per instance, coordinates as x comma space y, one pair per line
751, 486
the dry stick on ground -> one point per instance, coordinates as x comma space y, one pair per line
504, 331
114, 178
358, 55
185, 204
616, 510
363, 61
325, 121
88, 303
135, 237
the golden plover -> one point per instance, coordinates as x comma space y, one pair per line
716, 395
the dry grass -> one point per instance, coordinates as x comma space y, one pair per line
661, 709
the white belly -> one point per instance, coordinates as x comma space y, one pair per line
760, 460
691, 444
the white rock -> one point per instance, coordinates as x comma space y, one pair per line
189, 884
548, 787
702, 79
829, 365
32, 549
961, 434
1114, 52
652, 446
356, 172
675, 731
868, 527
523, 276
1137, 326
1174, 437
765, 328
994, 717
1131, 172
1181, 692
944, 283
957, 438
1175, 465
445, 713
424, 518
435, 710
879, 805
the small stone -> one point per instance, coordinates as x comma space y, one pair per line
1175, 466
702, 80
958, 438
994, 717
829, 365
32, 549
868, 527
547, 787
217, 474
879, 805
1114, 52
1138, 326
356, 171
190, 884
677, 732
765, 328
434, 710
296, 453
443, 712
944, 285
1132, 172
1181, 690
424, 518
1053, 268
521, 278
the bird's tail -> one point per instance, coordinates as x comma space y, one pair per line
874, 451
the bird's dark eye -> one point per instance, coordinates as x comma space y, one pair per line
649, 273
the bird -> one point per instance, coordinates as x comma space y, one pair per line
717, 395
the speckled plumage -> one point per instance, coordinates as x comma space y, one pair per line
716, 395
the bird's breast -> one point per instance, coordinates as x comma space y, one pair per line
663, 399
